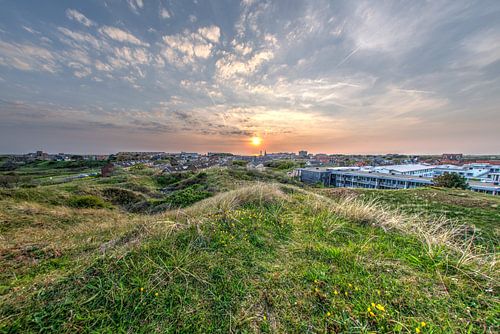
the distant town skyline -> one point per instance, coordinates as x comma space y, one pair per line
347, 77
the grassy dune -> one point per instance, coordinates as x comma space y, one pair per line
255, 256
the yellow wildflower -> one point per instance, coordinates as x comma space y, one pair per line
373, 304
350, 285
265, 318
142, 289
372, 314
335, 292
369, 309
328, 314
380, 307
156, 294
423, 324
346, 293
417, 330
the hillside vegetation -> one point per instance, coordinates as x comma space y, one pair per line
232, 250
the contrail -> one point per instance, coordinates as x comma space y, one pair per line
347, 57
221, 114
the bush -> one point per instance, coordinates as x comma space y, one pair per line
241, 163
86, 201
186, 197
450, 180
164, 180
122, 196
282, 164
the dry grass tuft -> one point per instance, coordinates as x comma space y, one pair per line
435, 233
259, 193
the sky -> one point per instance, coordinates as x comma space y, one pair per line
360, 77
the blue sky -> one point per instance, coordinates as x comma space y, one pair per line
327, 76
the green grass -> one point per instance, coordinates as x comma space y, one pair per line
250, 258
479, 210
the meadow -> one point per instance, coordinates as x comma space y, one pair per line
235, 250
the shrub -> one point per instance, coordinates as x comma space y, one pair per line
164, 180
450, 180
241, 163
186, 197
86, 201
122, 196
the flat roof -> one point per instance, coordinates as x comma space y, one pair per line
406, 168
388, 176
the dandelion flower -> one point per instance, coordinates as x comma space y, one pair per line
350, 285
142, 289
335, 292
265, 318
328, 314
373, 304
380, 307
346, 293
369, 309
156, 294
372, 314
417, 330
423, 324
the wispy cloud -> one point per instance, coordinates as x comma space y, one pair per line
73, 14
120, 35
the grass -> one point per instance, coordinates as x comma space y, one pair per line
255, 256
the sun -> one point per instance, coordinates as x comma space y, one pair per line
256, 141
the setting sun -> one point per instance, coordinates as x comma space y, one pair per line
256, 141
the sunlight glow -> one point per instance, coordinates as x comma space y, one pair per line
256, 141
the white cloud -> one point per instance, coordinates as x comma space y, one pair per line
184, 48
121, 35
27, 57
481, 49
211, 33
73, 14
80, 38
230, 65
31, 30
135, 5
164, 14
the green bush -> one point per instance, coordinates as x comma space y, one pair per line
186, 197
450, 180
122, 196
241, 163
164, 180
87, 201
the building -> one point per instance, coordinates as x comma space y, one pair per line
303, 154
452, 156
394, 177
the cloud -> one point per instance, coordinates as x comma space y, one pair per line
135, 5
231, 65
481, 49
73, 14
185, 48
211, 33
80, 38
164, 14
28, 57
120, 35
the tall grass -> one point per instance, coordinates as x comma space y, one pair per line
438, 234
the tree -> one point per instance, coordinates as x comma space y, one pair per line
450, 180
